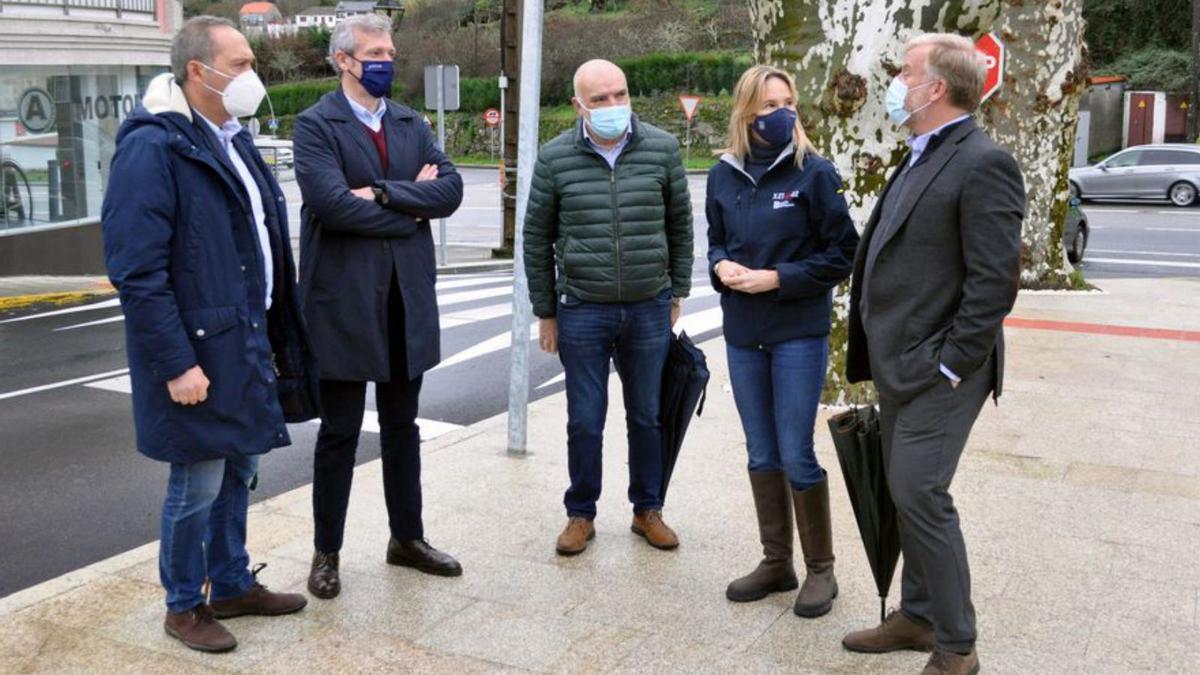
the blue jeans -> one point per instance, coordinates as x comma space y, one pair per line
636, 336
777, 389
204, 531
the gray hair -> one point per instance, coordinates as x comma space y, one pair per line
343, 38
955, 60
194, 42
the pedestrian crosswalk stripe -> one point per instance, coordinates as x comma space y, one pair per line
104, 304
430, 429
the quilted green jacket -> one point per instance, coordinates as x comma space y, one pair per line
608, 235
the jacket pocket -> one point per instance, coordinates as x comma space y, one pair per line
207, 323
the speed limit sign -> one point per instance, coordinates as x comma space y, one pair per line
491, 116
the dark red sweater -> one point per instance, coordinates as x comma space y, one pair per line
379, 138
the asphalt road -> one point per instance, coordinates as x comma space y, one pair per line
75, 491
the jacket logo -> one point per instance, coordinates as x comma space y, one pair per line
785, 200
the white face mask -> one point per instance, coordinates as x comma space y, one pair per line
243, 95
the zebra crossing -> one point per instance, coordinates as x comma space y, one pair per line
476, 318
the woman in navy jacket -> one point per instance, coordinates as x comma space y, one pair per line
780, 238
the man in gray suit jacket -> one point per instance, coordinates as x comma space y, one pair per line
937, 271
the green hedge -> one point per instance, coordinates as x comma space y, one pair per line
1154, 68
690, 72
292, 99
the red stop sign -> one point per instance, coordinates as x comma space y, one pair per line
993, 53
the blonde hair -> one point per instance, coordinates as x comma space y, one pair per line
955, 60
747, 101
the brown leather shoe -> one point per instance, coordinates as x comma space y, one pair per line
575, 536
323, 579
896, 633
650, 526
948, 663
198, 629
258, 601
419, 555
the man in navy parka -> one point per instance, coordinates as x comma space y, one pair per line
196, 243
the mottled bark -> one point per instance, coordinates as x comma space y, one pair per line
844, 52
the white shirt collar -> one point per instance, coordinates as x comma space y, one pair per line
917, 144
624, 139
226, 131
371, 119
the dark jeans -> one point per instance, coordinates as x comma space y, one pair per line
204, 531
636, 336
399, 439
923, 440
777, 389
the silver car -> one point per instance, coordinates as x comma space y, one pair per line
1157, 172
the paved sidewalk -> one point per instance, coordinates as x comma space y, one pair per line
1079, 494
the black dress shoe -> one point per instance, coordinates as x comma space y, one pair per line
418, 554
323, 580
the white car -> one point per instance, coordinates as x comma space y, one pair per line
1144, 172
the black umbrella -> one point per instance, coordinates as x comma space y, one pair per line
685, 381
860, 452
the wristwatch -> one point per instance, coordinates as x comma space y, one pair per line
381, 196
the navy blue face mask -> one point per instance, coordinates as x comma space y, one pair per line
376, 77
776, 128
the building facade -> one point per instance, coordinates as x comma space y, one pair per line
316, 17
71, 71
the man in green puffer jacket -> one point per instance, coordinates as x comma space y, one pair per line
608, 255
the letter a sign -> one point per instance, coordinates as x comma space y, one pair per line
993, 54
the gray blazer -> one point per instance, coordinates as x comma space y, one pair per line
948, 275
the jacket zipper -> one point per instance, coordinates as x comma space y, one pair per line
612, 182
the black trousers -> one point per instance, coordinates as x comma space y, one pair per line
923, 440
399, 439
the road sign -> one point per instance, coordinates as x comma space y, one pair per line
491, 116
689, 105
993, 53
449, 86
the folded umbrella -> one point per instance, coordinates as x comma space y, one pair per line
684, 386
858, 442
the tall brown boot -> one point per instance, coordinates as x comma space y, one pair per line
775, 573
816, 540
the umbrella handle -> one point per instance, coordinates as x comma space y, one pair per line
882, 608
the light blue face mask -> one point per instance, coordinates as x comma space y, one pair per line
609, 123
897, 92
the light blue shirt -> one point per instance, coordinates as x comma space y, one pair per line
225, 134
373, 120
917, 146
609, 155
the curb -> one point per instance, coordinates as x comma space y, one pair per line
475, 267
15, 303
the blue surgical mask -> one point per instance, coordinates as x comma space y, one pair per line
376, 77
609, 123
897, 92
777, 127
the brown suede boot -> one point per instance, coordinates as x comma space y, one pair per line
948, 663
258, 601
816, 540
773, 504
649, 525
896, 633
575, 536
199, 629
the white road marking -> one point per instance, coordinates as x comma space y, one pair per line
1147, 263
491, 345
104, 304
111, 319
1162, 253
430, 429
468, 296
1173, 229
64, 383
